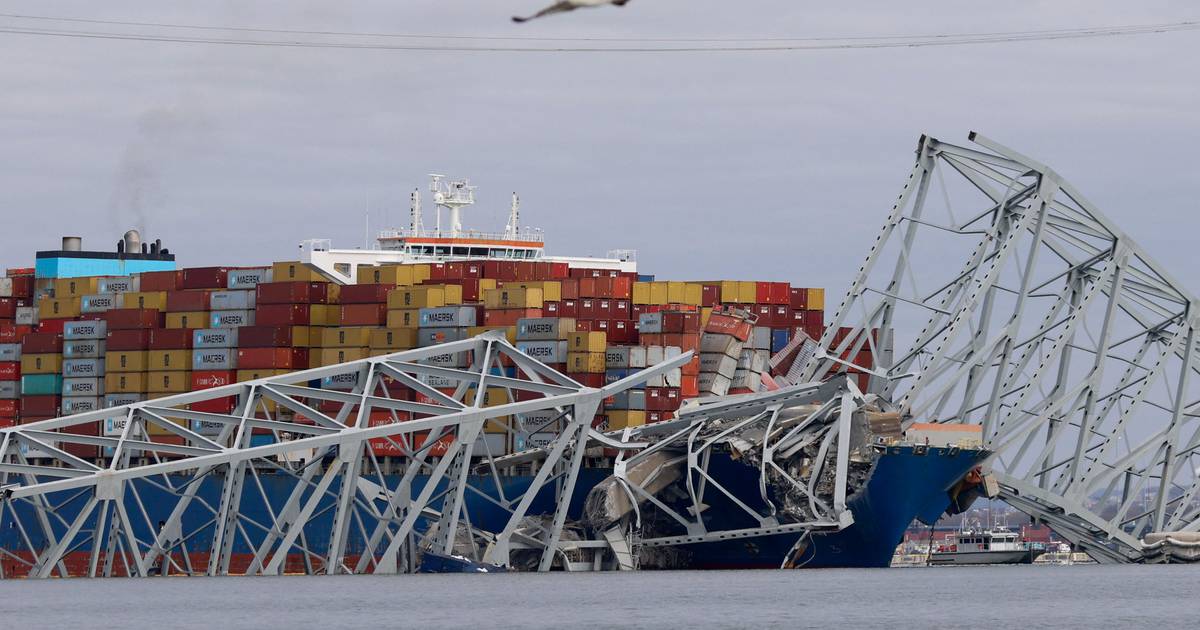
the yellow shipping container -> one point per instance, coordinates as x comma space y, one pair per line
518, 297
493, 397
153, 428
427, 296
693, 294
346, 337
392, 339
551, 289
658, 292
254, 375
52, 308
620, 419
47, 363
729, 292
641, 292
169, 360
705, 314
147, 299
591, 362
323, 315
816, 299
125, 382
295, 270
404, 318
76, 287
747, 292
169, 381
187, 319
587, 342
129, 361
394, 275
333, 356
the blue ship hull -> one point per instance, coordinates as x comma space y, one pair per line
903, 485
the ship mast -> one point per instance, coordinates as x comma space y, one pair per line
415, 225
454, 195
513, 229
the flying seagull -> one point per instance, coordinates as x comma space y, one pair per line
568, 5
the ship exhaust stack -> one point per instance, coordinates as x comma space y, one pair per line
72, 243
133, 242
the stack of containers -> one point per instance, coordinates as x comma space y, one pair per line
546, 339
376, 283
281, 308
41, 376
10, 374
666, 334
404, 312
602, 304
721, 347
585, 357
628, 408
83, 366
512, 302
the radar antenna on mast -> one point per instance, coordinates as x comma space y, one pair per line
513, 229
454, 195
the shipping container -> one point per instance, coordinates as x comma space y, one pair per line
188, 301
393, 339
83, 368
125, 382
210, 359
554, 352
131, 318
545, 328
41, 384
294, 270
43, 363
450, 316
89, 329
118, 284
80, 404
231, 319
10, 352
247, 278
587, 342
187, 319
231, 300
168, 360
100, 302
260, 336
345, 337
272, 358
152, 300
168, 382
125, 361
204, 278
433, 336
362, 314
290, 292
83, 386
124, 340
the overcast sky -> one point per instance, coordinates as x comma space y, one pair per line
712, 165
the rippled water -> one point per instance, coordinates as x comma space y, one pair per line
1088, 597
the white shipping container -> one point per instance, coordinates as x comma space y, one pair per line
116, 400
713, 384
723, 344
80, 404
10, 352
341, 382
751, 360
231, 300
26, 316
637, 357
494, 444
650, 323
448, 317
87, 329
83, 349
34, 452
523, 441
119, 284
114, 426
716, 363
544, 328
101, 302
670, 378
544, 351
10, 390
215, 338
230, 319
206, 427
6, 287
541, 420
747, 379
214, 359
616, 357
439, 382
82, 387
83, 368
450, 359
760, 338
248, 278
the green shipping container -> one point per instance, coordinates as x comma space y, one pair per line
41, 384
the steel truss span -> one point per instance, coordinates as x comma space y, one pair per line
1018, 306
59, 503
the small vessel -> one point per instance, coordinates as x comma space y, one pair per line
975, 545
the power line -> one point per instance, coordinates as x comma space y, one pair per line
809, 45
282, 31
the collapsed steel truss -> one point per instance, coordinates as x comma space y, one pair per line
1032, 314
73, 503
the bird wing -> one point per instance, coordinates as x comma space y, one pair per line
557, 7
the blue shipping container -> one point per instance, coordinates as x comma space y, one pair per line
779, 339
41, 384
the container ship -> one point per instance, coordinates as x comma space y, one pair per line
84, 330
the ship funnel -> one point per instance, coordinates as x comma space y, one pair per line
133, 242
72, 243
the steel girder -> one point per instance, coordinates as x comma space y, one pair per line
319, 437
1025, 310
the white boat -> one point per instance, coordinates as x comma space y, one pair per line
994, 545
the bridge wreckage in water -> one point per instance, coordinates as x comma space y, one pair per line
1015, 343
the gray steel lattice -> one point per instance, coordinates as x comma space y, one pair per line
1018, 306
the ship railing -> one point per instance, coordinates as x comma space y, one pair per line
525, 235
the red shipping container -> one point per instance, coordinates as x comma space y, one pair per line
45, 406
691, 368
184, 301
558, 271
6, 422
171, 338
814, 318
293, 293
798, 298
655, 399
8, 308
281, 314
710, 294
726, 325
673, 398
680, 322
208, 379
22, 286
437, 271
620, 309
551, 309
126, 340
41, 343
204, 278
620, 331
217, 405
454, 271
9, 408
568, 308
781, 316
53, 325
132, 318
363, 314
584, 325
762, 292
10, 370
587, 308
508, 316
12, 333
364, 294
265, 336
272, 358
541, 271
588, 379
159, 280
525, 271
763, 312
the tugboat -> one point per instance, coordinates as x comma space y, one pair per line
975, 545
